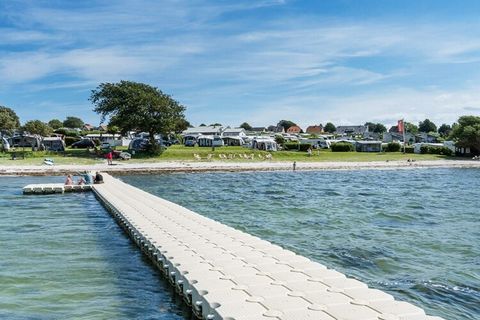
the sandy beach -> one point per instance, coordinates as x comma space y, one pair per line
191, 166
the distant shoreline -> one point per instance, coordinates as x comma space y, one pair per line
125, 168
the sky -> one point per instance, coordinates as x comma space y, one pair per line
340, 61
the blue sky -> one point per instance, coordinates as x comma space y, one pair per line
345, 61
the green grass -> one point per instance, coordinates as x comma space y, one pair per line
178, 152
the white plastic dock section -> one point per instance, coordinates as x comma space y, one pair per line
48, 188
224, 273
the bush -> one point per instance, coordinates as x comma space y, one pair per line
279, 139
296, 147
290, 146
155, 149
305, 146
393, 147
341, 147
70, 140
409, 149
68, 133
435, 150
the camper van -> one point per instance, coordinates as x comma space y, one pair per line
5, 144
189, 141
53, 144
25, 141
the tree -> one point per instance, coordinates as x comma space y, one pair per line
286, 124
246, 126
113, 130
73, 122
467, 133
330, 128
137, 106
216, 124
279, 139
55, 124
444, 130
181, 125
410, 127
203, 125
427, 126
375, 127
37, 127
9, 120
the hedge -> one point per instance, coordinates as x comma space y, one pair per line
294, 146
341, 147
70, 140
393, 147
435, 150
409, 149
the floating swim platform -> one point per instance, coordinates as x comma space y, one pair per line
224, 273
50, 188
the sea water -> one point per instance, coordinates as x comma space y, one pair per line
413, 233
64, 257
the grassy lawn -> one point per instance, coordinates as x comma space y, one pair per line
177, 152
71, 156
186, 153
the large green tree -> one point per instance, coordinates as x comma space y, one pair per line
55, 124
73, 122
9, 120
410, 127
37, 127
182, 125
286, 124
467, 133
246, 126
427, 126
376, 127
330, 128
137, 106
444, 130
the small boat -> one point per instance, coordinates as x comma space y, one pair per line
48, 162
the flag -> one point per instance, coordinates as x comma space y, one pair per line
401, 126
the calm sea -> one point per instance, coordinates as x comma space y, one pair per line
413, 233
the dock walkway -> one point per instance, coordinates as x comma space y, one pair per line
48, 188
224, 273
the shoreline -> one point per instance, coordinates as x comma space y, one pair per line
125, 168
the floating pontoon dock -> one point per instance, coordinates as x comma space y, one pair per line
223, 273
48, 188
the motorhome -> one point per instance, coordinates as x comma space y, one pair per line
53, 144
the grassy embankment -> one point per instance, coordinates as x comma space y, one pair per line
173, 153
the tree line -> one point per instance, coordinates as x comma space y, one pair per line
132, 106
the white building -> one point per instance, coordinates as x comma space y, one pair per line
204, 130
114, 140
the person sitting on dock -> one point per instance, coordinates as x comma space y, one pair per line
69, 180
81, 181
87, 177
98, 178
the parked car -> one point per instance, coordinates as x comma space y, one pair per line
105, 145
83, 144
141, 144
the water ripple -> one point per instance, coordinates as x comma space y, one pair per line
413, 233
